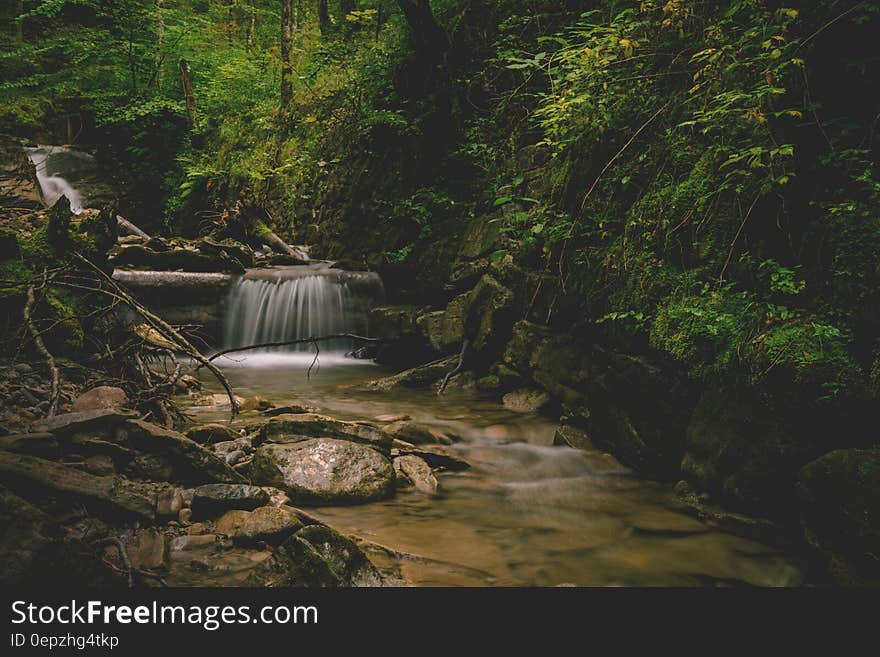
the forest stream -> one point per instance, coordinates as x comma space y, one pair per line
526, 512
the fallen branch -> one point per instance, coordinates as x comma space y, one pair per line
286, 343
41, 347
125, 226
165, 329
451, 373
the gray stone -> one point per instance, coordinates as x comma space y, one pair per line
324, 471
416, 471
212, 499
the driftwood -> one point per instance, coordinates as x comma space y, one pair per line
128, 228
41, 347
285, 343
455, 370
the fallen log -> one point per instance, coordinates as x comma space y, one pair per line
128, 228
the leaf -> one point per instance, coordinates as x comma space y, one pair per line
501, 200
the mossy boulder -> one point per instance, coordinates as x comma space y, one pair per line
839, 496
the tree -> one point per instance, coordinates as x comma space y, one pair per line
430, 39
323, 17
286, 45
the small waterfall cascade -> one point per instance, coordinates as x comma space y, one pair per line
292, 303
59, 169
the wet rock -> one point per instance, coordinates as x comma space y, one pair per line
255, 404
269, 523
422, 376
208, 434
414, 433
100, 397
169, 503
277, 497
526, 400
35, 444
147, 549
400, 417
100, 421
324, 471
211, 499
192, 463
839, 496
572, 436
414, 470
318, 557
739, 451
29, 475
304, 426
290, 409
436, 457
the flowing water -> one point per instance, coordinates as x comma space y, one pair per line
63, 171
526, 512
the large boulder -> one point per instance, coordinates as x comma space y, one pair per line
422, 376
324, 471
212, 499
304, 426
740, 452
489, 317
445, 329
318, 557
34, 477
271, 524
33, 552
191, 462
100, 397
839, 495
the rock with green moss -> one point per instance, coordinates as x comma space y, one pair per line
839, 496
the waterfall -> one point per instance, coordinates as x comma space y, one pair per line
291, 303
58, 169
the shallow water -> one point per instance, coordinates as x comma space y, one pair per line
526, 513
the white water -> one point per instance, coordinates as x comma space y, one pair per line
56, 166
297, 303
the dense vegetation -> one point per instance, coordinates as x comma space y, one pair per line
697, 178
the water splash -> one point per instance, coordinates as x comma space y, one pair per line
56, 167
300, 302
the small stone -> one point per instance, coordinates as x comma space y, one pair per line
100, 397
184, 516
402, 417
169, 503
234, 457
270, 524
216, 498
415, 470
256, 404
525, 400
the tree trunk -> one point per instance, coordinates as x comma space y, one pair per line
252, 24
286, 68
345, 8
188, 93
323, 17
19, 25
160, 43
430, 39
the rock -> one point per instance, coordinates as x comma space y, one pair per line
35, 444
417, 377
572, 436
316, 556
255, 404
233, 457
436, 457
208, 434
489, 317
304, 426
445, 329
268, 523
413, 469
414, 433
401, 417
100, 397
277, 497
526, 400
184, 516
149, 467
192, 463
34, 554
839, 496
102, 421
147, 549
402, 341
99, 464
187, 382
324, 471
169, 503
159, 255
291, 409
191, 543
738, 451
112, 495
211, 499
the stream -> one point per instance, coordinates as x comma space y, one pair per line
526, 513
